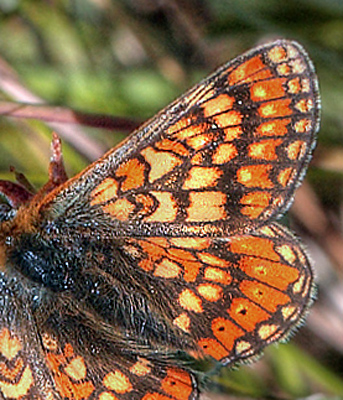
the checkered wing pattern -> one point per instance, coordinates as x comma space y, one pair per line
225, 157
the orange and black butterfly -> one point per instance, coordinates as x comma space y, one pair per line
166, 249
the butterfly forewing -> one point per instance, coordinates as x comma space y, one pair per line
225, 157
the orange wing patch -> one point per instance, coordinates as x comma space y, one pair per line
177, 384
255, 176
166, 210
120, 209
249, 68
19, 389
276, 108
173, 146
133, 173
9, 346
268, 90
267, 297
106, 190
16, 377
255, 203
218, 104
278, 127
278, 54
264, 150
285, 176
160, 163
224, 153
202, 177
206, 206
69, 372
210, 292
189, 301
118, 382
267, 271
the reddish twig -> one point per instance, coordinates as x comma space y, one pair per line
66, 116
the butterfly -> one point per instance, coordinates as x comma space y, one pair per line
167, 248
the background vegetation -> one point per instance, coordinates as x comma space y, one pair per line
130, 58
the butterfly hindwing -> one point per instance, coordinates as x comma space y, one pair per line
232, 296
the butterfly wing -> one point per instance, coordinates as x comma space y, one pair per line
63, 359
24, 374
97, 369
231, 296
225, 157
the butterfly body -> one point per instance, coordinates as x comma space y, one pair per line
166, 248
